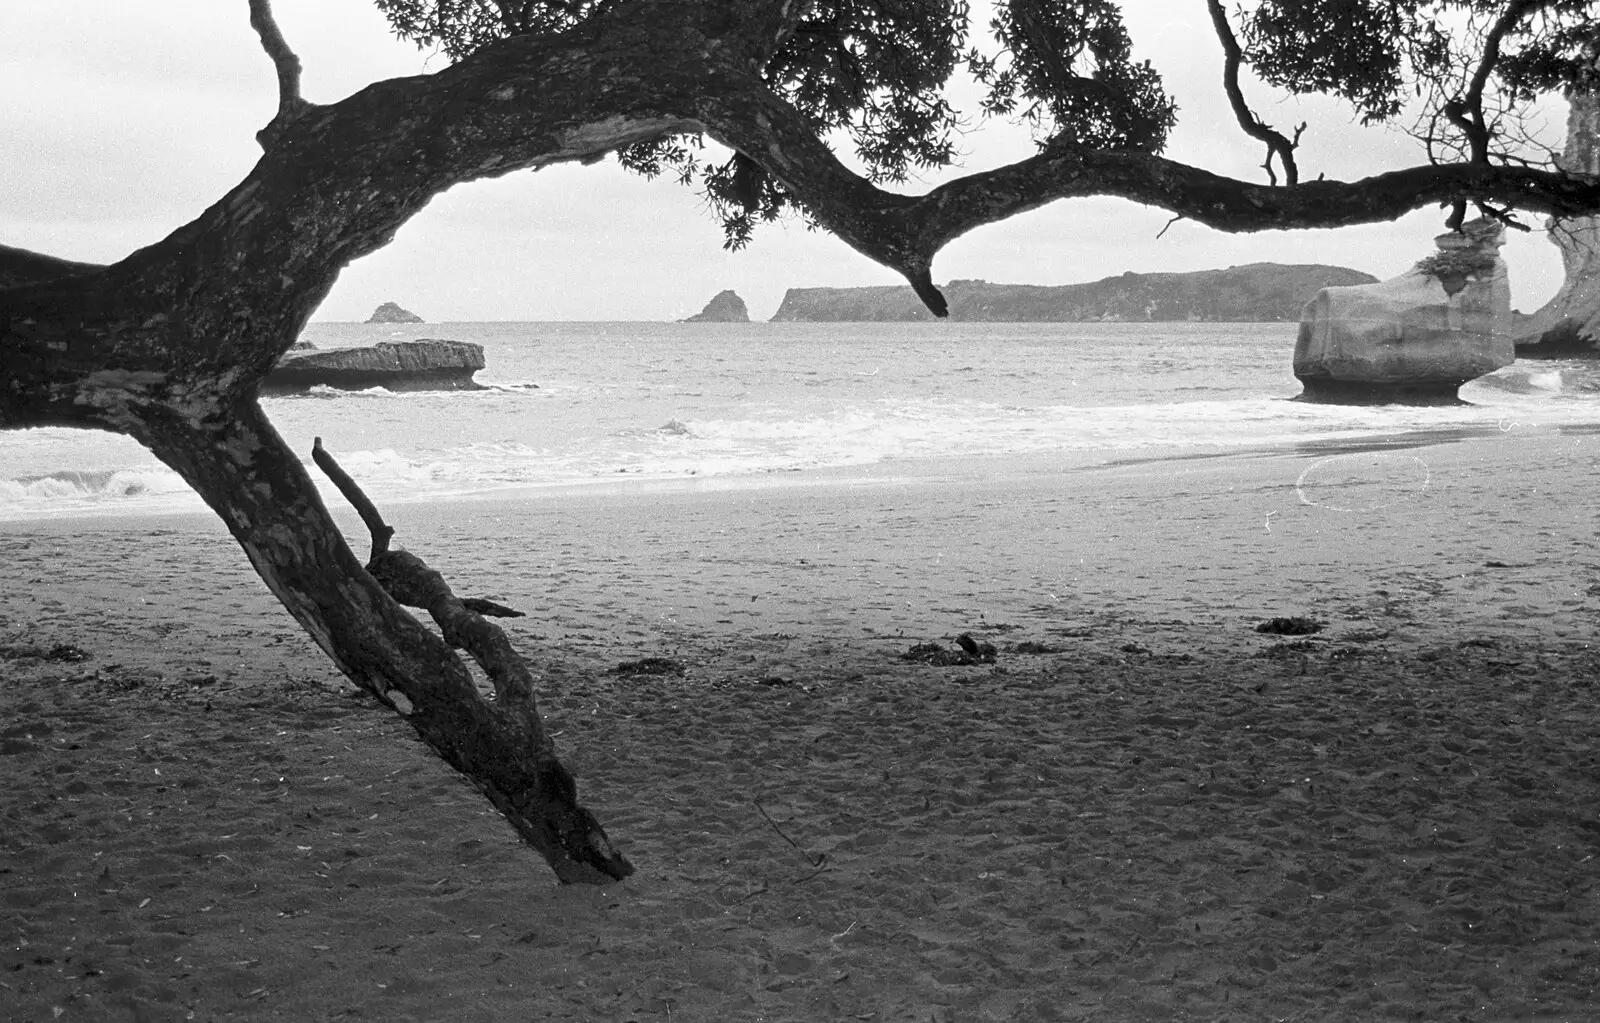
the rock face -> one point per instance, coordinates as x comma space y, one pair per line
1252, 293
1569, 324
427, 364
726, 307
1416, 338
392, 313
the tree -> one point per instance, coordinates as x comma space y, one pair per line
169, 344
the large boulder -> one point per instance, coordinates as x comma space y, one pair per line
1569, 324
725, 307
1415, 338
427, 364
389, 312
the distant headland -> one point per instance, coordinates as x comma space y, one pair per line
1256, 292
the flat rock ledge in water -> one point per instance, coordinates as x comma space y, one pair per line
390, 312
725, 307
427, 364
1414, 339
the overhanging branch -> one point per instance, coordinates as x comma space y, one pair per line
905, 232
20, 266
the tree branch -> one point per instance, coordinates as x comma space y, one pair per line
1466, 111
380, 530
290, 102
905, 232
20, 266
1233, 59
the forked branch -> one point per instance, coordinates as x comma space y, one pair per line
1466, 110
501, 745
1233, 59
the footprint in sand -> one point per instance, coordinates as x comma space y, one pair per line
1363, 481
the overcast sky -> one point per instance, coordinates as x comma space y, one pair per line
123, 120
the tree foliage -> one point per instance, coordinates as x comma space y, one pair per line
876, 74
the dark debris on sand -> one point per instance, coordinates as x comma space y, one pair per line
651, 666
969, 651
1295, 626
55, 652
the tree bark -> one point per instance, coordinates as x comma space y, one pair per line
239, 464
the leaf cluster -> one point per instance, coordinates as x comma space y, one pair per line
1066, 67
461, 27
1380, 55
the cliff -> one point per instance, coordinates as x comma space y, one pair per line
392, 313
427, 364
1258, 291
726, 307
1569, 324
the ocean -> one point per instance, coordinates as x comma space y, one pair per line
573, 404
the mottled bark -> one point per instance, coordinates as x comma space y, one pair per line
170, 344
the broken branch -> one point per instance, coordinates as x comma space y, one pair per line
409, 580
381, 531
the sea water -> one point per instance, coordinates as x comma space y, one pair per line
586, 403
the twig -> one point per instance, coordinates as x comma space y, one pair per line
815, 861
1169, 223
381, 531
490, 609
814, 873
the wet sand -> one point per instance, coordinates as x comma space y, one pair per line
1144, 809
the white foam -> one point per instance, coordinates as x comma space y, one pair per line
137, 490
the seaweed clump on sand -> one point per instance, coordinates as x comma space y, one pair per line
58, 652
969, 651
650, 666
1295, 626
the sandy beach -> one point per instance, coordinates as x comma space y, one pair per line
1144, 809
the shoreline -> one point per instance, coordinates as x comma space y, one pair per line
891, 471
1215, 540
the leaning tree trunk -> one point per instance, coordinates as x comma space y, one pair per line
246, 473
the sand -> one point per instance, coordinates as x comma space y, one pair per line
1144, 809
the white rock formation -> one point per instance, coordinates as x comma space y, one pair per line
1569, 324
1415, 338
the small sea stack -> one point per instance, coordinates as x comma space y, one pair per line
390, 312
725, 307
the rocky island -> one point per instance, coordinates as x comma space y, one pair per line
1239, 294
725, 307
427, 364
390, 312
